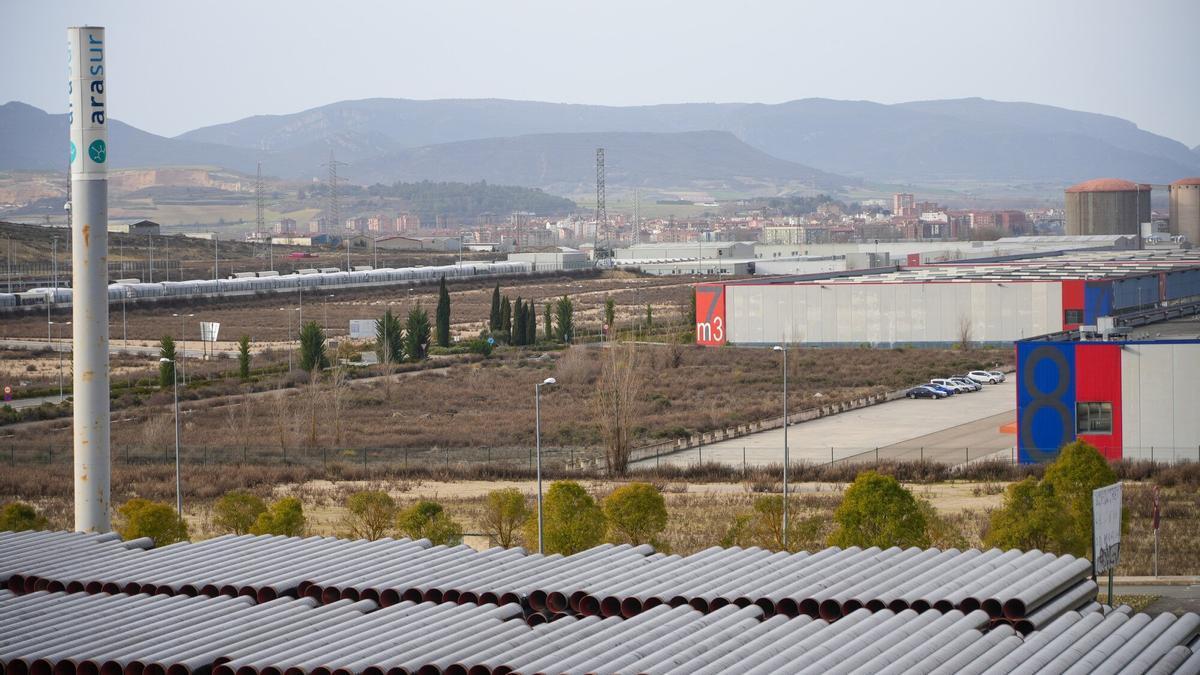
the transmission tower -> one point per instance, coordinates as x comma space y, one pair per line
601, 210
332, 215
637, 222
260, 203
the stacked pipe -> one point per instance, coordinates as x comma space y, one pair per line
21, 552
106, 634
607, 580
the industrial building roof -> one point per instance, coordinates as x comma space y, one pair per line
1186, 181
1085, 265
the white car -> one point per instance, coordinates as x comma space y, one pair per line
986, 376
951, 384
967, 382
999, 375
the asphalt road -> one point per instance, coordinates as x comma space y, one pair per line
964, 427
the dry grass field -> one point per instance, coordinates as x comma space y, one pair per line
702, 503
455, 410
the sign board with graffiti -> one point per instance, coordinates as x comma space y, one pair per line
1106, 527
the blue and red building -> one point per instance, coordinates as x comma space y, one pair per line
1135, 399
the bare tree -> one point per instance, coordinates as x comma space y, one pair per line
964, 332
339, 390
616, 404
157, 431
312, 407
280, 413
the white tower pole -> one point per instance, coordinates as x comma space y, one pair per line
89, 275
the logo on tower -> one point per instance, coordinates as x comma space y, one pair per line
72, 152
97, 151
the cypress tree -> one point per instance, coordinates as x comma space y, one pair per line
494, 320
505, 327
443, 315
548, 323
531, 329
519, 322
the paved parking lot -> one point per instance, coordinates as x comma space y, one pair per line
956, 429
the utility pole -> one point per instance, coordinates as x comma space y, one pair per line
216, 259
151, 258
259, 204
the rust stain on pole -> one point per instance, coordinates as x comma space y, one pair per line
87, 234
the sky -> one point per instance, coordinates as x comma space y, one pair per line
178, 65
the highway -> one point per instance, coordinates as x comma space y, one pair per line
114, 347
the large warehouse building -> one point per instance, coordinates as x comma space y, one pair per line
1133, 400
941, 305
1107, 206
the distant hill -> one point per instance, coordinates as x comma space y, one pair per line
393, 139
565, 162
464, 201
34, 140
963, 139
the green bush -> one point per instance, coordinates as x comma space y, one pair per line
144, 518
370, 514
285, 517
427, 520
764, 527
237, 512
635, 513
504, 511
572, 520
877, 511
18, 516
1032, 517
1054, 514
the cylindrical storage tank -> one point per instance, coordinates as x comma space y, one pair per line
1107, 206
1185, 209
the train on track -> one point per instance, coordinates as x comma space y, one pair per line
248, 283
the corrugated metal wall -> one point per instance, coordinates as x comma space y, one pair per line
887, 314
1160, 387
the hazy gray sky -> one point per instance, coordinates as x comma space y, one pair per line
179, 65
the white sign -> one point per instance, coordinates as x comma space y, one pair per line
1106, 526
362, 329
88, 111
209, 330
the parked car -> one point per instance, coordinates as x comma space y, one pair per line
985, 376
967, 382
999, 375
924, 391
945, 390
950, 384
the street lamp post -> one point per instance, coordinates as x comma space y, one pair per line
785, 447
57, 348
178, 491
182, 358
537, 426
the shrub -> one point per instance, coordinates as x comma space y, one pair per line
572, 520
237, 512
1079, 469
1032, 517
504, 511
635, 513
285, 517
18, 516
166, 369
877, 511
416, 334
370, 514
764, 527
427, 520
144, 518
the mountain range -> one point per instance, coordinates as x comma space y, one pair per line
815, 142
